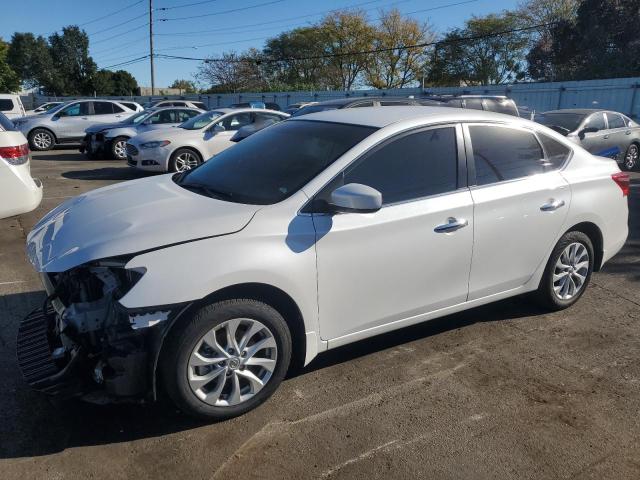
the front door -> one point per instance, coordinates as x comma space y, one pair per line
600, 142
71, 122
413, 255
521, 202
217, 141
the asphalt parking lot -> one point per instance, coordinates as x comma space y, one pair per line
504, 391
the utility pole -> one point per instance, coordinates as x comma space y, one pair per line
153, 74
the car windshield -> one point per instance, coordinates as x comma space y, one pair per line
274, 163
200, 121
313, 109
58, 107
566, 121
137, 118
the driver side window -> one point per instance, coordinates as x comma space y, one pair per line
596, 121
235, 122
72, 110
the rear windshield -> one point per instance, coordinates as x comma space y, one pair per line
200, 105
274, 163
314, 109
6, 124
568, 122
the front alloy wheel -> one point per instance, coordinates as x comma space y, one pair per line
119, 148
183, 159
226, 359
41, 139
631, 157
232, 362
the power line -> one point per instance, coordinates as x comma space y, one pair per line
111, 14
346, 7
129, 62
186, 5
241, 9
121, 34
120, 47
118, 25
368, 52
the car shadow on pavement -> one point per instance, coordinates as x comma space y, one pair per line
107, 173
30, 425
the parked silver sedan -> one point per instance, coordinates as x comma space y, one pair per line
601, 132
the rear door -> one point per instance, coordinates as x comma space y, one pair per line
520, 203
620, 135
600, 142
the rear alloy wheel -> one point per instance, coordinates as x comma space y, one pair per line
184, 159
119, 148
41, 139
630, 161
568, 271
227, 359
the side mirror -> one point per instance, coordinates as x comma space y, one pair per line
356, 198
586, 130
218, 128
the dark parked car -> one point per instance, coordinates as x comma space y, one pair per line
601, 132
267, 105
490, 103
354, 102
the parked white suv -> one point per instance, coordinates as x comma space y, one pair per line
311, 234
19, 192
11, 105
66, 123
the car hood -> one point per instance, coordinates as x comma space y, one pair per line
98, 127
129, 218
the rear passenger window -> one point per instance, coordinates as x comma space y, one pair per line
413, 166
557, 153
117, 108
6, 104
615, 121
502, 153
102, 108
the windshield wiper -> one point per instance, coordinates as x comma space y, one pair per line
208, 191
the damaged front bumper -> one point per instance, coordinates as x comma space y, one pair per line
84, 343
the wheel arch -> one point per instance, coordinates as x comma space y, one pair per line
189, 147
269, 294
55, 137
594, 233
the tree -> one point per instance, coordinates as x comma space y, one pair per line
548, 13
393, 68
103, 82
486, 51
187, 85
9, 79
123, 83
601, 42
30, 57
344, 33
224, 73
70, 55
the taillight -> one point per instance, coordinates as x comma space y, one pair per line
15, 155
622, 179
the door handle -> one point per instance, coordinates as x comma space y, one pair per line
85, 118
118, 116
552, 205
606, 136
452, 225
628, 132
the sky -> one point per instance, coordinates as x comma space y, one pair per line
119, 32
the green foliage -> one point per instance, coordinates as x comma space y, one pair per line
186, 85
9, 79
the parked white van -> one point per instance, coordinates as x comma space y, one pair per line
11, 105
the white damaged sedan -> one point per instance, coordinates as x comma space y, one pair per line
311, 234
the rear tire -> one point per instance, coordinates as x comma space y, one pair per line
41, 139
184, 159
630, 159
207, 375
568, 272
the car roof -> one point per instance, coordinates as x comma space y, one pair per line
382, 116
579, 111
226, 110
348, 100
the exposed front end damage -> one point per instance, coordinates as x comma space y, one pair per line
83, 342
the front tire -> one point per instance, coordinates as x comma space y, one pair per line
568, 271
631, 156
41, 139
184, 159
119, 148
227, 359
